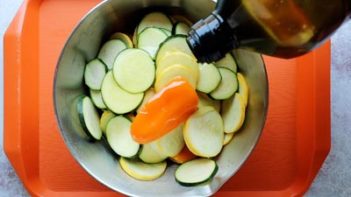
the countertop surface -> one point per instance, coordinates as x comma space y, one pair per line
334, 179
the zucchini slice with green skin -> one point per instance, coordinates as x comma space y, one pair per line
173, 44
227, 61
203, 132
155, 19
94, 73
227, 87
150, 39
134, 70
233, 113
142, 171
209, 78
196, 171
110, 50
117, 99
89, 118
149, 155
204, 100
243, 88
181, 28
119, 137
123, 37
105, 118
167, 32
96, 97
171, 143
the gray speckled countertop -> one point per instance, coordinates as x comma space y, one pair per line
334, 178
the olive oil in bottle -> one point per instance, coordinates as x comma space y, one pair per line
281, 28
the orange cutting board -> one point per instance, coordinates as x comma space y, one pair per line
293, 146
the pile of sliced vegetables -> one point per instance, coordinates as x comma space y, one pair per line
150, 100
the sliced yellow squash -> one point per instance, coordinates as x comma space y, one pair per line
172, 44
243, 88
227, 138
233, 113
203, 132
124, 37
176, 57
142, 171
163, 78
155, 19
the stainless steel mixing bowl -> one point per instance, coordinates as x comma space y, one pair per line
95, 158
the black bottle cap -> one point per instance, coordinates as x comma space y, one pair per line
211, 38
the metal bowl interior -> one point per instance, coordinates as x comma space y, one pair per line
95, 158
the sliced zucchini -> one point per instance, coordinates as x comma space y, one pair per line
89, 118
96, 96
177, 57
227, 61
204, 100
119, 137
94, 73
164, 77
167, 32
105, 118
150, 39
148, 95
171, 143
134, 70
124, 38
116, 99
233, 113
227, 138
243, 88
149, 155
209, 78
142, 171
110, 50
155, 19
203, 132
227, 87
172, 44
196, 172
181, 28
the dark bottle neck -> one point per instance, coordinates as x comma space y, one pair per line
211, 38
225, 8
